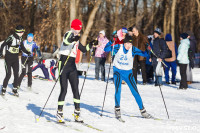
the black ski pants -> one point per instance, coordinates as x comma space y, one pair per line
70, 74
28, 65
183, 83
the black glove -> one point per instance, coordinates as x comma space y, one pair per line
76, 38
29, 53
94, 42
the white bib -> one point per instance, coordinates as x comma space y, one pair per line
123, 61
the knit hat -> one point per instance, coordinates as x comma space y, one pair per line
124, 30
168, 37
157, 30
30, 35
19, 29
128, 39
76, 24
184, 35
102, 32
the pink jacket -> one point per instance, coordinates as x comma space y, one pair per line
100, 48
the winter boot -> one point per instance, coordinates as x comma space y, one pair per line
3, 91
145, 114
59, 116
77, 116
118, 114
15, 92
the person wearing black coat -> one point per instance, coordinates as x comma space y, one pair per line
160, 49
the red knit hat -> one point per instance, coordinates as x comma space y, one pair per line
76, 24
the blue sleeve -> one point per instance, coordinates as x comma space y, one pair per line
109, 47
139, 52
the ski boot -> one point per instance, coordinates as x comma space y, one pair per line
145, 114
77, 116
118, 114
59, 116
3, 91
15, 92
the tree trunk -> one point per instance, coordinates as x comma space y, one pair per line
166, 17
72, 10
116, 15
58, 20
89, 24
32, 16
173, 10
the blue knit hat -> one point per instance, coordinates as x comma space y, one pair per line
168, 37
124, 30
184, 35
30, 35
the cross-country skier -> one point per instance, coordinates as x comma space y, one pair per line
44, 65
27, 61
69, 49
122, 66
12, 45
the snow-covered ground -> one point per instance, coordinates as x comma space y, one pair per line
18, 115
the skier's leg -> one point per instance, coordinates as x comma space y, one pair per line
133, 87
8, 73
173, 67
23, 73
29, 73
167, 72
117, 82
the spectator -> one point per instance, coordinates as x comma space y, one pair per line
100, 56
160, 49
193, 43
171, 62
140, 41
183, 59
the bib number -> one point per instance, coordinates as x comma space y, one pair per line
13, 50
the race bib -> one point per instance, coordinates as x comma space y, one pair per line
13, 50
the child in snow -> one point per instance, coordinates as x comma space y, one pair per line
122, 66
44, 65
13, 43
27, 61
67, 66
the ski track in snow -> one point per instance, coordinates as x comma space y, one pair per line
18, 115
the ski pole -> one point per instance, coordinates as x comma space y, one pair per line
156, 55
163, 100
107, 80
86, 73
55, 84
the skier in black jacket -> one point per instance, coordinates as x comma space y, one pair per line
12, 44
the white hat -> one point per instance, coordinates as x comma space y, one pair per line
102, 32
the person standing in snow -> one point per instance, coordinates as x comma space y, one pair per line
192, 49
100, 55
183, 59
171, 62
27, 61
122, 67
69, 49
160, 49
13, 44
140, 42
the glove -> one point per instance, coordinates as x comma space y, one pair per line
94, 42
149, 48
29, 53
76, 38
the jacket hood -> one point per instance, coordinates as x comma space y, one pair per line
186, 41
168, 37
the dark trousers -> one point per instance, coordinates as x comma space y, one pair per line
136, 63
149, 72
28, 64
14, 64
69, 73
183, 83
100, 64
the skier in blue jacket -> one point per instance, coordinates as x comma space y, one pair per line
122, 66
27, 60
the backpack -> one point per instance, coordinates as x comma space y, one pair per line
168, 53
